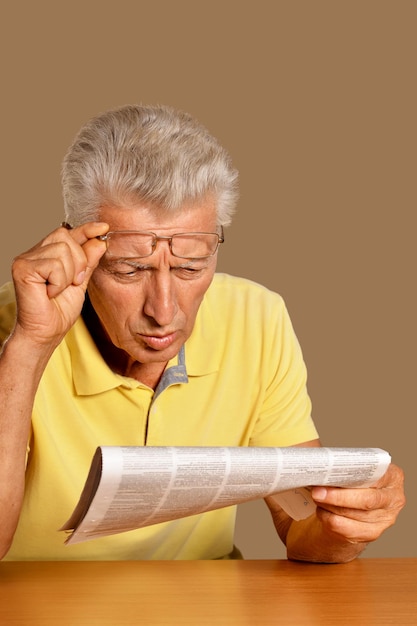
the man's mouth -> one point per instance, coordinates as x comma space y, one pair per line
158, 342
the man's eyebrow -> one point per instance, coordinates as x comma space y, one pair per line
193, 264
137, 265
187, 264
114, 263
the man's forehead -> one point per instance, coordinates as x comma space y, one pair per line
192, 217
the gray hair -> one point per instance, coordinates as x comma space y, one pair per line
151, 154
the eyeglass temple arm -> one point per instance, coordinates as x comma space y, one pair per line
104, 237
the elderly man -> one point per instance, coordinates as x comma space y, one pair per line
118, 331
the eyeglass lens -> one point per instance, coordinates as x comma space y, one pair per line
137, 245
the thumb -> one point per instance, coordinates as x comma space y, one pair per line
94, 250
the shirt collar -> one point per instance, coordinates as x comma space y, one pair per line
90, 372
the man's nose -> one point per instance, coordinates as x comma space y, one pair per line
160, 301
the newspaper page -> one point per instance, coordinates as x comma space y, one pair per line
132, 487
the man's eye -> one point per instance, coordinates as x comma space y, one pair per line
123, 270
128, 273
189, 272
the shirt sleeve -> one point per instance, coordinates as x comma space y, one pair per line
285, 417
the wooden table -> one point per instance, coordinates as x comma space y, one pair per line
365, 592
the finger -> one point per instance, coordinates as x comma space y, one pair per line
52, 267
37, 265
90, 230
93, 249
55, 264
86, 236
353, 530
387, 493
79, 251
343, 500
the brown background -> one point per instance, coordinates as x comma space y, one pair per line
316, 101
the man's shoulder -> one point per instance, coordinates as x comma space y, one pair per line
7, 293
236, 312
7, 310
232, 300
236, 288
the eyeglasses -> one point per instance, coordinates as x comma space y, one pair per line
132, 244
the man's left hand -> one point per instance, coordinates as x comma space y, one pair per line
361, 515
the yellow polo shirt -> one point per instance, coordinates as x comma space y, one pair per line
239, 381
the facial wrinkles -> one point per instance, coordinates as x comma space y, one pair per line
160, 296
155, 295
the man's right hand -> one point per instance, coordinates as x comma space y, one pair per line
51, 280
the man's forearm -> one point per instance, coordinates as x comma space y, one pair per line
21, 368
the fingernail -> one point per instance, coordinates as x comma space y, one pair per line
319, 493
80, 278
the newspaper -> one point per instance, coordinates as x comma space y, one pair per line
132, 487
